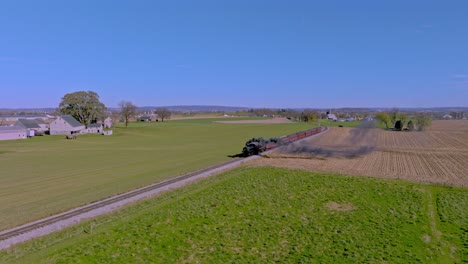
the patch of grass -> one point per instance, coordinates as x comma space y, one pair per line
452, 208
259, 215
331, 123
46, 175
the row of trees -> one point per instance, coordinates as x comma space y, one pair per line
397, 120
85, 107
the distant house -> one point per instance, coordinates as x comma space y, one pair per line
108, 122
332, 117
447, 117
12, 132
66, 125
145, 118
94, 128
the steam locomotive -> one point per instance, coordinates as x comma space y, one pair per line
255, 146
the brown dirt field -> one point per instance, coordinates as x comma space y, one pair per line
278, 120
439, 155
451, 125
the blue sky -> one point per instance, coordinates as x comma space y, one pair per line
236, 53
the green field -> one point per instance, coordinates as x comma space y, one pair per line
266, 215
45, 175
331, 123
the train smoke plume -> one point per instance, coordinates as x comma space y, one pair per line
361, 140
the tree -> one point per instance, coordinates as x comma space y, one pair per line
83, 106
410, 125
163, 113
402, 118
423, 121
383, 117
394, 113
127, 110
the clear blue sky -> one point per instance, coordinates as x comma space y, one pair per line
397, 53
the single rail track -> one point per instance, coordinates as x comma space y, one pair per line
20, 230
108, 201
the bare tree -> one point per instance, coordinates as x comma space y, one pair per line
127, 110
163, 113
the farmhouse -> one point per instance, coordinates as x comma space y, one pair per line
94, 128
145, 118
108, 122
12, 132
66, 125
332, 117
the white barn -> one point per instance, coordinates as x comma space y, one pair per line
332, 117
12, 132
66, 125
94, 128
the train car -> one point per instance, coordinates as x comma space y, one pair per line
255, 146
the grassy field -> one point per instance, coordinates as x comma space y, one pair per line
266, 215
45, 175
331, 123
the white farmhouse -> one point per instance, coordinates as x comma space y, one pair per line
108, 122
66, 125
12, 132
332, 117
94, 128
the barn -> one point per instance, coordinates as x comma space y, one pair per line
31, 125
12, 132
66, 125
94, 128
332, 117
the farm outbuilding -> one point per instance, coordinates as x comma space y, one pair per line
94, 128
33, 126
66, 125
332, 117
12, 132
108, 123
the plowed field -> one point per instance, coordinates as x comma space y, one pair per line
439, 155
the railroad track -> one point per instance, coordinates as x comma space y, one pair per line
25, 229
87, 208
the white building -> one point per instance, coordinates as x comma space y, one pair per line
12, 132
332, 117
66, 125
108, 122
94, 128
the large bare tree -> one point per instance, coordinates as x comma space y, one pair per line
127, 110
83, 106
163, 113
